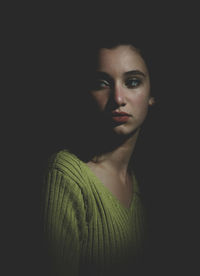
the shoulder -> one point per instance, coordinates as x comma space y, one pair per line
63, 160
64, 199
67, 164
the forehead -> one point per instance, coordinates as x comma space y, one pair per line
120, 59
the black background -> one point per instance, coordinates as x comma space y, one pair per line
36, 94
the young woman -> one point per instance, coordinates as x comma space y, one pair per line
93, 214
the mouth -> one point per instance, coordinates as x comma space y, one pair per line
120, 117
119, 114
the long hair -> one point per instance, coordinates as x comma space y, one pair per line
88, 133
80, 126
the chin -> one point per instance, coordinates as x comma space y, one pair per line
123, 130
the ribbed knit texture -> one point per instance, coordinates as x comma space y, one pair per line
88, 230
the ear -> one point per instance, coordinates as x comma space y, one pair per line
151, 101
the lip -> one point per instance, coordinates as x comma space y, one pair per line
117, 113
120, 119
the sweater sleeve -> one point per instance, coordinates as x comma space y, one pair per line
64, 218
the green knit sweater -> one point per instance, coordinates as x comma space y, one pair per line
87, 229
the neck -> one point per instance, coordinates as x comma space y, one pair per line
118, 158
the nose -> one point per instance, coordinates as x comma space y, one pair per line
119, 95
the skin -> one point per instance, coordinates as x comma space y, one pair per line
118, 90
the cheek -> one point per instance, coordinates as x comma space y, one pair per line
99, 100
141, 104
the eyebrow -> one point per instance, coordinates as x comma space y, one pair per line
105, 75
134, 72
128, 73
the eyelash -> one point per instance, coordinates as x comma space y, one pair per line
133, 80
99, 83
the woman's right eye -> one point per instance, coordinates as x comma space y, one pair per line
99, 84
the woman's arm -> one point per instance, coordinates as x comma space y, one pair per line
64, 220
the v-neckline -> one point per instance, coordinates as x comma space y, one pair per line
92, 173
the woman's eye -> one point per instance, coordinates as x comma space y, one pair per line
132, 83
99, 84
103, 83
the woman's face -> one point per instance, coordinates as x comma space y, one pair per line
122, 85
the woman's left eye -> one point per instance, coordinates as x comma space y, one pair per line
132, 83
